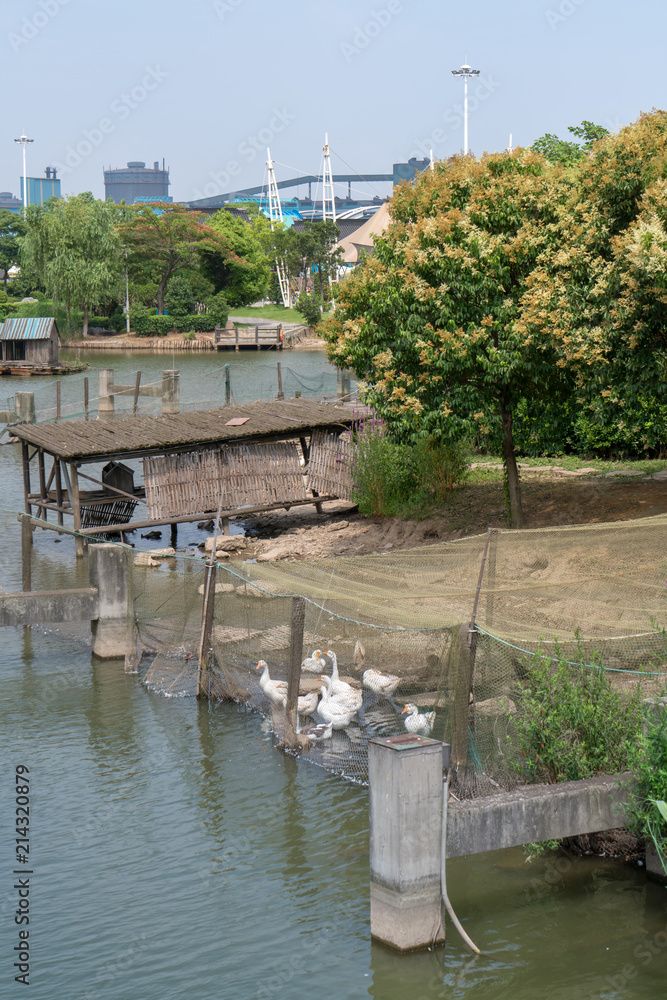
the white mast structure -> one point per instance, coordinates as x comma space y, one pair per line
328, 199
276, 215
466, 73
23, 141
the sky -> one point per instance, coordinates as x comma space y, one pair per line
209, 84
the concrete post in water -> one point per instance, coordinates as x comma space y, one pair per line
105, 405
405, 801
171, 391
113, 628
24, 404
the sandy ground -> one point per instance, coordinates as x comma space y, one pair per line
341, 531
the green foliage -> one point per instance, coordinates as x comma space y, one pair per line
392, 479
245, 277
571, 723
7, 308
12, 228
161, 240
566, 152
180, 298
647, 807
117, 323
102, 322
72, 246
217, 309
310, 307
160, 326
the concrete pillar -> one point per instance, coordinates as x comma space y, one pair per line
171, 391
105, 404
405, 801
112, 630
24, 404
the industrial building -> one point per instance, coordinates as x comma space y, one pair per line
10, 201
40, 189
137, 183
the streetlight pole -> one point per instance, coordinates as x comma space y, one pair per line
466, 73
23, 141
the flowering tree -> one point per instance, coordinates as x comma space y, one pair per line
434, 323
163, 239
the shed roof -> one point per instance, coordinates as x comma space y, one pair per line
28, 328
80, 440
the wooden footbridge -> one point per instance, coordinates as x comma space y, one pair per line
242, 459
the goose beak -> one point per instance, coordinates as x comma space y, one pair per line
404, 710
259, 666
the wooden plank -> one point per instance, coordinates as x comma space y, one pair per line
294, 674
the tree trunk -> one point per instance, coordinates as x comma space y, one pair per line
160, 296
511, 469
84, 332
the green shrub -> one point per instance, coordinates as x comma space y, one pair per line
648, 808
117, 323
100, 321
217, 309
160, 326
310, 307
571, 723
179, 297
391, 478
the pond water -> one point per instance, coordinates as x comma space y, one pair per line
178, 854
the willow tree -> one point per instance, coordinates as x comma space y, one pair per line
72, 246
433, 322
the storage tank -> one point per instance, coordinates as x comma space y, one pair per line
137, 182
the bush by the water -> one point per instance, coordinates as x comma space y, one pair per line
310, 307
648, 805
571, 723
390, 478
160, 326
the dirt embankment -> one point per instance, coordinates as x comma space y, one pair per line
341, 531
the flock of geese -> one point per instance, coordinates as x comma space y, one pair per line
337, 702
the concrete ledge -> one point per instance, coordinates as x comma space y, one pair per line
537, 812
43, 607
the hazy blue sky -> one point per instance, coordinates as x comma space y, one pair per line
206, 84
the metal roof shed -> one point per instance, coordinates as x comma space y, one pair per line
30, 339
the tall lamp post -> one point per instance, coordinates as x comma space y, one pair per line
466, 73
23, 141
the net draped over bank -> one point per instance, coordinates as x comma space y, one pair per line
595, 595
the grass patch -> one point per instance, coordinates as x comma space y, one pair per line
278, 313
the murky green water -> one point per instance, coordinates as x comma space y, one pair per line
178, 854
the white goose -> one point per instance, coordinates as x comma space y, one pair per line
339, 687
418, 724
275, 691
315, 663
332, 712
347, 697
379, 682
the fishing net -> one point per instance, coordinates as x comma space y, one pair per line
595, 596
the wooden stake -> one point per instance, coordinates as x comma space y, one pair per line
25, 454
73, 490
228, 386
58, 402
85, 397
136, 395
42, 483
26, 548
204, 661
294, 676
281, 394
59, 489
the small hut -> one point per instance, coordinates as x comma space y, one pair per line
33, 340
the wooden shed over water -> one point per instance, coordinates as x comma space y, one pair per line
33, 340
241, 459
